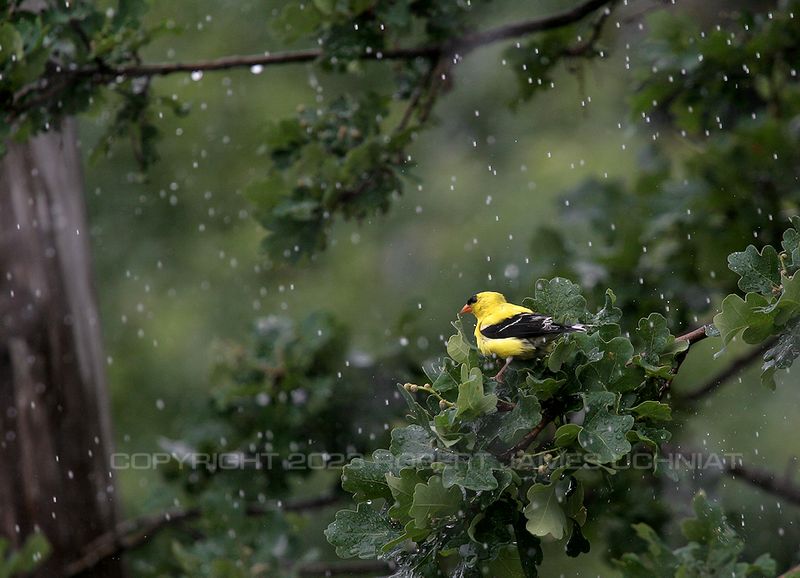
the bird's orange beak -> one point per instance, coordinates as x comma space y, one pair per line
465, 309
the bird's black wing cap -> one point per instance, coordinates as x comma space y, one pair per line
524, 326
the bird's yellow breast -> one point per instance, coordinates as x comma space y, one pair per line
506, 347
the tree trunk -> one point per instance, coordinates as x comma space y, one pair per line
55, 433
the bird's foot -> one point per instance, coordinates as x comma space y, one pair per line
499, 377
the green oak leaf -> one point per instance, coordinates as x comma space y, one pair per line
658, 562
791, 245
472, 402
447, 427
11, 43
746, 316
788, 304
505, 564
562, 353
603, 432
609, 314
360, 533
410, 532
432, 500
760, 272
566, 434
708, 523
402, 488
544, 513
491, 524
412, 442
475, 473
573, 501
782, 354
366, 480
577, 544
544, 388
561, 299
447, 378
607, 361
458, 349
653, 410
525, 416
657, 339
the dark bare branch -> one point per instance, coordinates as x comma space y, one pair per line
765, 480
525, 28
461, 45
728, 373
132, 534
126, 536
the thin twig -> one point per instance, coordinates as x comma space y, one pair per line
693, 336
728, 373
529, 437
503, 405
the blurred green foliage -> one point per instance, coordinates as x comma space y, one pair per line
177, 263
24, 560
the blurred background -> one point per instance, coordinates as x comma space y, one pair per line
179, 270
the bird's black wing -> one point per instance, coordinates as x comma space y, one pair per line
524, 326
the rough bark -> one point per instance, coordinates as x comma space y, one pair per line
55, 437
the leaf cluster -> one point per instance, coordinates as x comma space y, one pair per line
451, 481
46, 51
771, 304
713, 549
732, 174
324, 162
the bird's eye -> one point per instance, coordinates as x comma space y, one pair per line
472, 300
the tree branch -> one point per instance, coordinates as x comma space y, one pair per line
693, 336
588, 44
131, 534
126, 536
462, 45
729, 372
760, 478
474, 40
767, 481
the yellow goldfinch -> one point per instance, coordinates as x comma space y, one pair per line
509, 330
